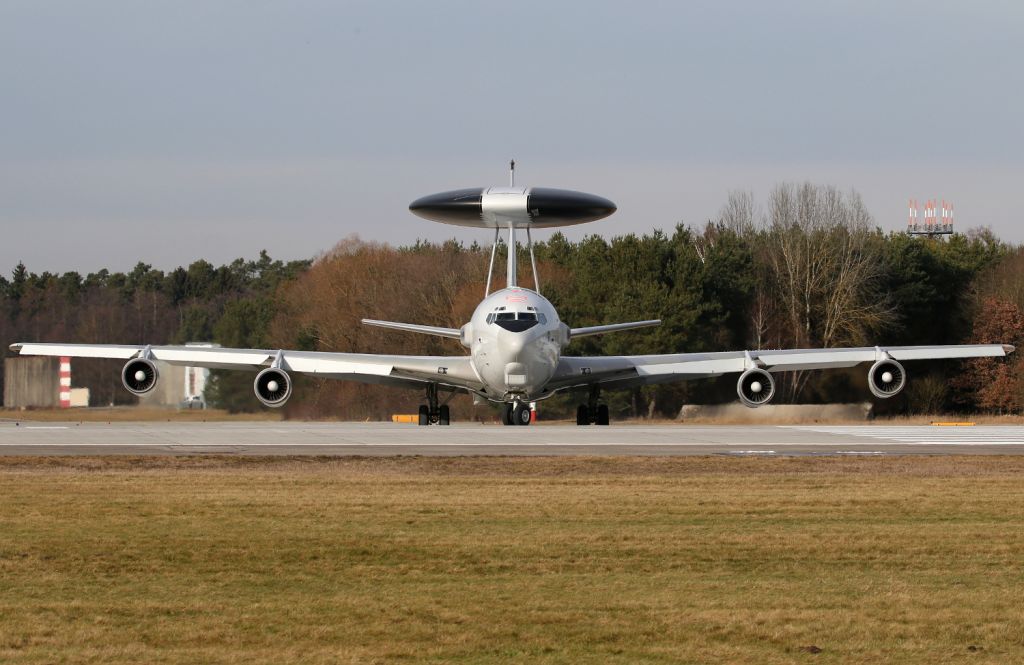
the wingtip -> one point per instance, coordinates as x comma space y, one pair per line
16, 347
1009, 348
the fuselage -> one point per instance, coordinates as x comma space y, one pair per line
515, 340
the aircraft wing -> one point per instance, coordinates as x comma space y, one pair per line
404, 371
614, 372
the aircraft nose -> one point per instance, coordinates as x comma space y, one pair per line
514, 342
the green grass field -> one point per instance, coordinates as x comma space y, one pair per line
539, 560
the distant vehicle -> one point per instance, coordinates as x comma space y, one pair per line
193, 402
515, 337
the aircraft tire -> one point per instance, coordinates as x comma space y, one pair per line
602, 414
506, 415
582, 415
424, 415
521, 414
444, 415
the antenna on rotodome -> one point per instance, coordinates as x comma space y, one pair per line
512, 173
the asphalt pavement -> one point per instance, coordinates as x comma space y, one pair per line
299, 438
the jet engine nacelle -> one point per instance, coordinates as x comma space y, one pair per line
755, 387
273, 387
886, 378
139, 376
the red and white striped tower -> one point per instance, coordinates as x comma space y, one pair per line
910, 214
65, 382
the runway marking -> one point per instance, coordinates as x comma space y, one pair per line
424, 444
974, 436
539, 444
45, 427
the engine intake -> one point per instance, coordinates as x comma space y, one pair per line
273, 387
755, 387
139, 376
886, 378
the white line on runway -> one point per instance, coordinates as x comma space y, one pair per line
328, 444
539, 444
925, 435
45, 427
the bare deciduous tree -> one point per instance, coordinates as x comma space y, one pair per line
821, 273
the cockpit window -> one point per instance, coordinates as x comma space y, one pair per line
515, 321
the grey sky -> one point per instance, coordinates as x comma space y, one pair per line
170, 131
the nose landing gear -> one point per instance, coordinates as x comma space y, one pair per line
516, 414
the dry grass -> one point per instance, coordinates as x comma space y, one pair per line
549, 560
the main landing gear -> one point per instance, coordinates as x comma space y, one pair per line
592, 413
516, 414
433, 412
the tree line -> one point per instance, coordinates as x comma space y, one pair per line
806, 268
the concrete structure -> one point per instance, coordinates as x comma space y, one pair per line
179, 386
78, 397
167, 393
32, 382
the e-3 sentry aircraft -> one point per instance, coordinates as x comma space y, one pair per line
515, 338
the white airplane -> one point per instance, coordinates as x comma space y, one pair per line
515, 338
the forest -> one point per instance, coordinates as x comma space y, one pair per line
809, 267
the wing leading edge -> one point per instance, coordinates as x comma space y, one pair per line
408, 371
615, 372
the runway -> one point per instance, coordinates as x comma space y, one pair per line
296, 438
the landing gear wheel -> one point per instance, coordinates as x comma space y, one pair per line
521, 414
506, 415
424, 415
602, 414
444, 415
582, 415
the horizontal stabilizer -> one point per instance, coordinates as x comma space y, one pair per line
453, 333
613, 327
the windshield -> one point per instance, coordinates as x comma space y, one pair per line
515, 321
